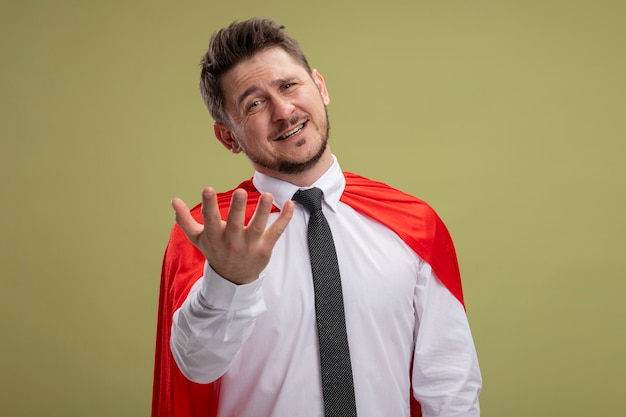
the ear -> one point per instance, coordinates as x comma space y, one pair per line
226, 138
321, 86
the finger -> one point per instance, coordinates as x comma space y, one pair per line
257, 224
277, 228
211, 212
190, 226
236, 212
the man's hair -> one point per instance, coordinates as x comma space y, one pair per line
233, 44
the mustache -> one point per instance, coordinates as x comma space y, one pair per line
286, 124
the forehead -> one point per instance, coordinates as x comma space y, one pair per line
260, 71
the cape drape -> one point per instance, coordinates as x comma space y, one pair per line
409, 217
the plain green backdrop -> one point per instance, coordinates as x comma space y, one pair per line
507, 116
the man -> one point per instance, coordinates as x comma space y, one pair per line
237, 287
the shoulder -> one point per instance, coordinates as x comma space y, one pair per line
413, 220
361, 191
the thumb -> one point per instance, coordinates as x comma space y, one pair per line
184, 219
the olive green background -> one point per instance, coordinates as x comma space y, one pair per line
508, 117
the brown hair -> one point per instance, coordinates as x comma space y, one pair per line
233, 44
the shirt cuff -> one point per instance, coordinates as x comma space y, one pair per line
219, 293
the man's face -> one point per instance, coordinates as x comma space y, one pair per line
276, 113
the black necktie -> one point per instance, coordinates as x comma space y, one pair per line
337, 385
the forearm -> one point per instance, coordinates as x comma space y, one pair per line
211, 325
446, 375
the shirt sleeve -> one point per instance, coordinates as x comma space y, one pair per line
446, 377
212, 324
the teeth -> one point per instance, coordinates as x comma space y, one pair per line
292, 132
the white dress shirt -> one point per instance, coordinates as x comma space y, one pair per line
261, 338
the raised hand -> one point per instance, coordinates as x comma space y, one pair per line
235, 251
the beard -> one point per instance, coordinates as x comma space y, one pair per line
290, 167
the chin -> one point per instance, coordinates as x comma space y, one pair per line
297, 167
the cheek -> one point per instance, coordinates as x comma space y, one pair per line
253, 136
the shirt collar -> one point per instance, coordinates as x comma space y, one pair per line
332, 183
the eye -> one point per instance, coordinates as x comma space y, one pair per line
254, 106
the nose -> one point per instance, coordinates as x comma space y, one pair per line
281, 109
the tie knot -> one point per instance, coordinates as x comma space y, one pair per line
311, 199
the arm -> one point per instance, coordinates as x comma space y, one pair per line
213, 322
446, 376
219, 312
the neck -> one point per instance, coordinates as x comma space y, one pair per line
305, 178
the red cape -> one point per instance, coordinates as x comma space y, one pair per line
410, 218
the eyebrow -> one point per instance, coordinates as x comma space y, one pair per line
251, 90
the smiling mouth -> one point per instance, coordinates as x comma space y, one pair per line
292, 132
